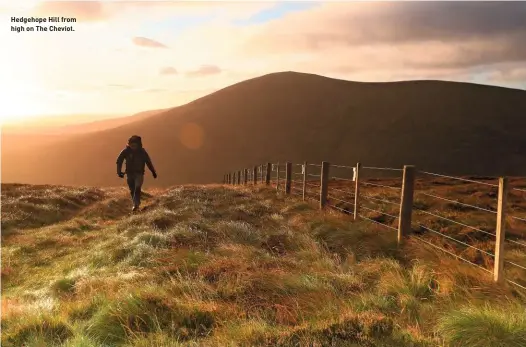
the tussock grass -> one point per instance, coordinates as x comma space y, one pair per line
485, 326
222, 266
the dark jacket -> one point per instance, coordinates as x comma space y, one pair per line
135, 161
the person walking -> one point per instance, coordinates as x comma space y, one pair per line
136, 158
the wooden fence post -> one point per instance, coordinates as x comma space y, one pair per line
229, 178
245, 176
277, 177
239, 177
357, 190
304, 179
406, 203
269, 170
324, 183
234, 178
498, 268
288, 175
255, 175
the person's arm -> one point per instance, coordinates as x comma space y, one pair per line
120, 160
150, 164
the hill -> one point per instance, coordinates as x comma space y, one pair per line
72, 124
17, 140
455, 128
103, 124
217, 266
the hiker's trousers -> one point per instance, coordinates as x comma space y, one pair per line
135, 182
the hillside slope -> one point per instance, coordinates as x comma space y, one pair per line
449, 127
230, 266
20, 138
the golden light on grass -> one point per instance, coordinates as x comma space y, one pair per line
192, 135
308, 277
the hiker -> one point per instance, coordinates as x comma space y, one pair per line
136, 157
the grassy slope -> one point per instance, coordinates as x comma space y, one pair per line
220, 266
438, 126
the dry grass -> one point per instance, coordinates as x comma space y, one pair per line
225, 266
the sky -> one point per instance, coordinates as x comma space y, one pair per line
125, 57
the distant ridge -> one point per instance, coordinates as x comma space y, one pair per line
450, 127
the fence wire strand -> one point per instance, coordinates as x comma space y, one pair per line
381, 168
380, 200
343, 166
458, 178
384, 213
376, 222
517, 242
341, 209
342, 179
451, 253
514, 264
333, 198
380, 185
453, 239
453, 221
518, 218
458, 202
515, 283
342, 191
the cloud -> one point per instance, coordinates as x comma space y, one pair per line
168, 70
146, 42
513, 74
205, 70
83, 11
421, 35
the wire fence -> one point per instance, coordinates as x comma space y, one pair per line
473, 220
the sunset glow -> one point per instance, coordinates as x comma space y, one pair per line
126, 57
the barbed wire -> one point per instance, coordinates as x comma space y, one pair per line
454, 221
451, 253
317, 165
457, 202
313, 175
458, 178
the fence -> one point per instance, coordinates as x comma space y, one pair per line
348, 194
